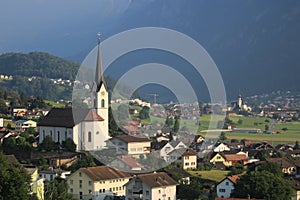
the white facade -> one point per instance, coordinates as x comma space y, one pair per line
138, 189
221, 147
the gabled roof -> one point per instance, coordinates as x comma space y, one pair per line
158, 179
103, 173
190, 152
233, 178
129, 138
158, 145
63, 117
179, 151
284, 162
175, 171
235, 157
129, 161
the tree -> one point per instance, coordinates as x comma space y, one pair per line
144, 113
236, 169
191, 191
14, 181
57, 190
296, 147
176, 125
48, 144
69, 145
169, 121
262, 185
240, 122
271, 167
266, 127
222, 137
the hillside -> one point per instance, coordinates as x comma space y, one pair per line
41, 74
37, 64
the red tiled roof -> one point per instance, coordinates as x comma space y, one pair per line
158, 179
103, 173
128, 160
235, 157
233, 178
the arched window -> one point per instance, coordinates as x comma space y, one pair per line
102, 103
89, 136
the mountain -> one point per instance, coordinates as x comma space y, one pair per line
254, 43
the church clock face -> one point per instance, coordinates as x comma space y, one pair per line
102, 93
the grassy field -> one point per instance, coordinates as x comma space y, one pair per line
214, 175
54, 104
290, 135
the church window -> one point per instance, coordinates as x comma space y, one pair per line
58, 136
66, 135
89, 136
102, 103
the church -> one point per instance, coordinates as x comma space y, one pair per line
88, 128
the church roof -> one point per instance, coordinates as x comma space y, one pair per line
63, 117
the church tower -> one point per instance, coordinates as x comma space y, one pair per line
100, 103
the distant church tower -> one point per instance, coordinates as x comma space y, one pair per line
240, 101
100, 93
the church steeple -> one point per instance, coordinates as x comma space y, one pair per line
99, 76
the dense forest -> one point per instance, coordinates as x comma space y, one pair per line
37, 64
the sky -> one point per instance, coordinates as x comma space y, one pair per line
247, 39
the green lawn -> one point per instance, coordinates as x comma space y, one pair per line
54, 104
214, 175
291, 135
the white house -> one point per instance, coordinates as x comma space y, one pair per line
164, 152
153, 186
221, 147
130, 145
97, 182
87, 127
52, 174
226, 186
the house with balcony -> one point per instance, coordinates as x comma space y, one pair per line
97, 182
130, 145
152, 186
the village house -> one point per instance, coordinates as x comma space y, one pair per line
127, 144
52, 174
22, 125
97, 182
221, 147
226, 186
36, 184
126, 163
230, 160
152, 186
288, 166
164, 152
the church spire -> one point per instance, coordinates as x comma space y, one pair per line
99, 77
